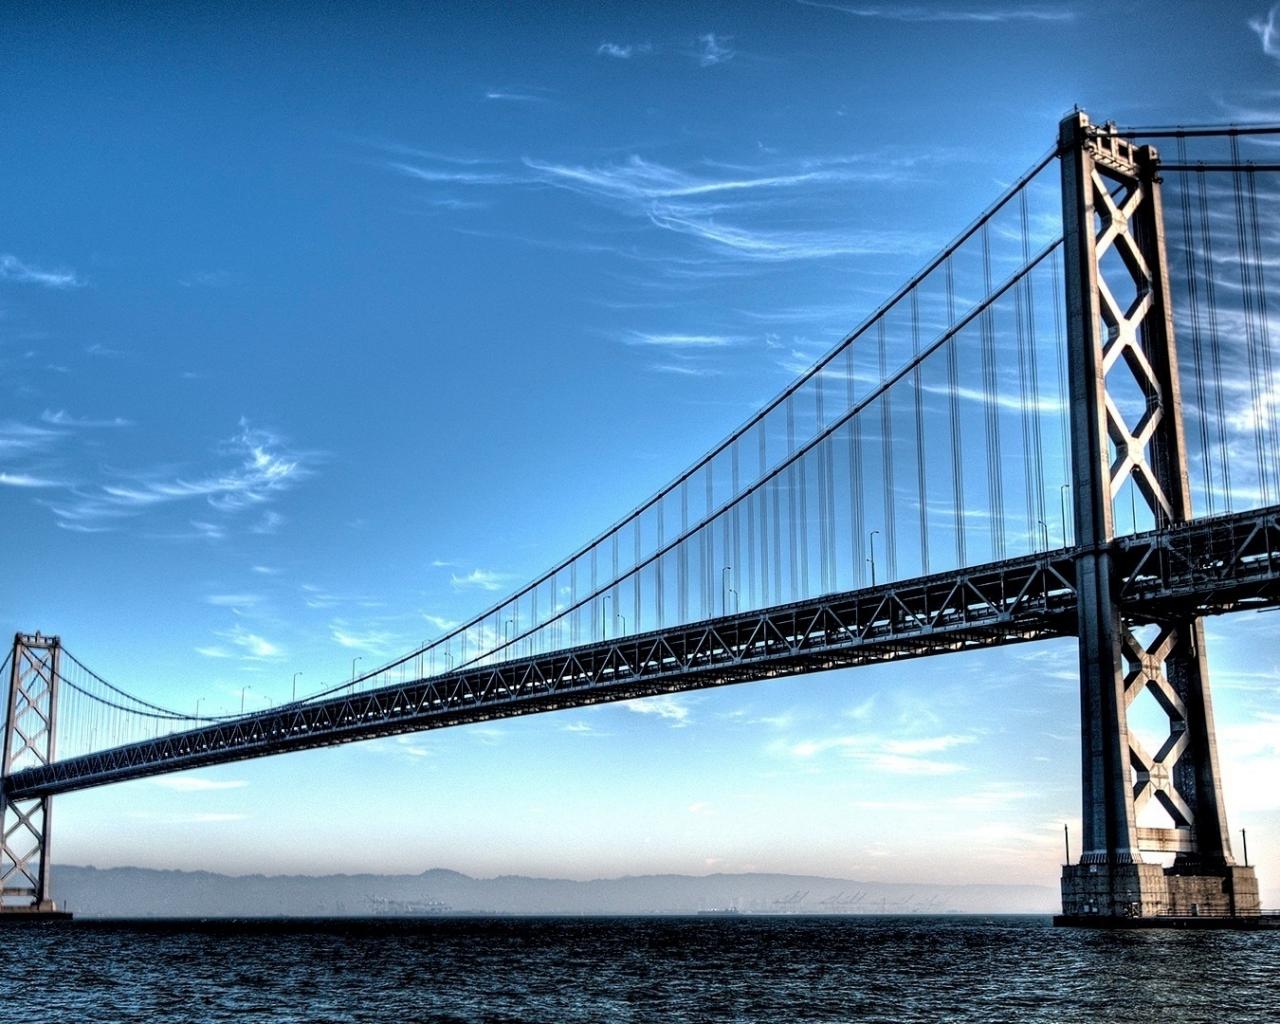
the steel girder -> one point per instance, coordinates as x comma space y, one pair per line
1204, 567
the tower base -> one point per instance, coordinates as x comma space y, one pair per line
1137, 895
38, 913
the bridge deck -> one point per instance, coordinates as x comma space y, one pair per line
1204, 567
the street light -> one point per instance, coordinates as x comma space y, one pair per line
242, 692
724, 589
358, 657
1062, 500
871, 539
1045, 528
295, 686
198, 700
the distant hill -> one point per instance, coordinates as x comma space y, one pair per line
142, 892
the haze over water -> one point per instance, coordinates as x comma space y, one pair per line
636, 969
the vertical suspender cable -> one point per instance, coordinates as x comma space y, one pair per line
953, 410
1249, 302
859, 524
922, 484
995, 493
1215, 340
1031, 396
1197, 342
1269, 383
886, 460
1055, 283
792, 514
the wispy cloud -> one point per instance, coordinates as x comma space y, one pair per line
715, 205
24, 438
14, 269
207, 530
269, 522
713, 49
195, 784
455, 175
440, 623
61, 418
374, 641
668, 707
894, 756
256, 647
480, 579
1005, 399
318, 597
686, 369
1268, 32
893, 12
516, 95
640, 179
264, 468
233, 600
623, 51
581, 728
781, 244
679, 340
27, 480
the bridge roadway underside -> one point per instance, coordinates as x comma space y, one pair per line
1205, 567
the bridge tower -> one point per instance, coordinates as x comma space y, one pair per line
30, 731
1114, 248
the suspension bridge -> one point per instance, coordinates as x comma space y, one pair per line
1064, 425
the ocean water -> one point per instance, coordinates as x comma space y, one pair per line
767, 969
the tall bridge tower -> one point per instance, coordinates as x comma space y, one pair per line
1111, 208
30, 732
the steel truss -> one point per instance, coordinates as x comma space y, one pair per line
1208, 566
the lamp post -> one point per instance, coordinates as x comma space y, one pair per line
871, 539
295, 687
358, 657
724, 589
198, 700
1044, 527
604, 625
1062, 500
242, 693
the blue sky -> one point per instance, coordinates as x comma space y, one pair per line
319, 330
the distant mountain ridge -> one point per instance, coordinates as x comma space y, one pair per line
147, 892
